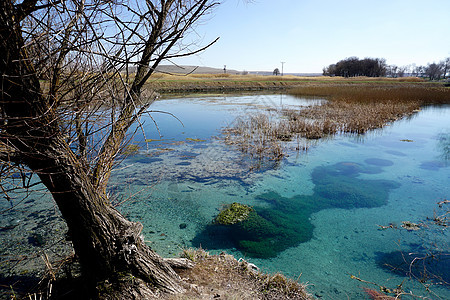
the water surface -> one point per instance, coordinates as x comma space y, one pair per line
316, 213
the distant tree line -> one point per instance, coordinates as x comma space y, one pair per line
377, 67
353, 66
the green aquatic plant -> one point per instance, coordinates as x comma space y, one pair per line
339, 186
233, 213
269, 231
282, 222
255, 227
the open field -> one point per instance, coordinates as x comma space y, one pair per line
165, 83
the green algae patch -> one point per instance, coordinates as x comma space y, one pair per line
262, 232
280, 222
338, 186
268, 232
233, 213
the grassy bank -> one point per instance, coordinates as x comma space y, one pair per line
164, 83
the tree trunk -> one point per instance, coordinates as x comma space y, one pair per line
109, 246
113, 256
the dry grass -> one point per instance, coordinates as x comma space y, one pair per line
170, 83
258, 136
224, 277
376, 92
362, 107
351, 108
252, 77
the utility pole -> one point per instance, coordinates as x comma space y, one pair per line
282, 67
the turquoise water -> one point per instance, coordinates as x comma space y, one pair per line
316, 214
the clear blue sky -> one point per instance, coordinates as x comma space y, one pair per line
311, 34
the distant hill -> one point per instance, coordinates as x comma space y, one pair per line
266, 73
192, 70
172, 69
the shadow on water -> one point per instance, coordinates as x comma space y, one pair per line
20, 285
421, 265
36, 287
285, 222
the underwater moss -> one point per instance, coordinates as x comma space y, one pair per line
266, 232
337, 186
260, 237
255, 227
283, 222
433, 165
264, 248
233, 214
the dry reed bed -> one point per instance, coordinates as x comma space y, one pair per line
351, 108
257, 136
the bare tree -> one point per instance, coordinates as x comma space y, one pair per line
434, 71
401, 71
445, 66
68, 99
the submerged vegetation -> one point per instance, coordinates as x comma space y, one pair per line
425, 262
280, 223
233, 213
351, 108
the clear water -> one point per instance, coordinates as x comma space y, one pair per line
180, 182
321, 208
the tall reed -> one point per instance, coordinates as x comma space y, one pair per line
351, 108
375, 92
